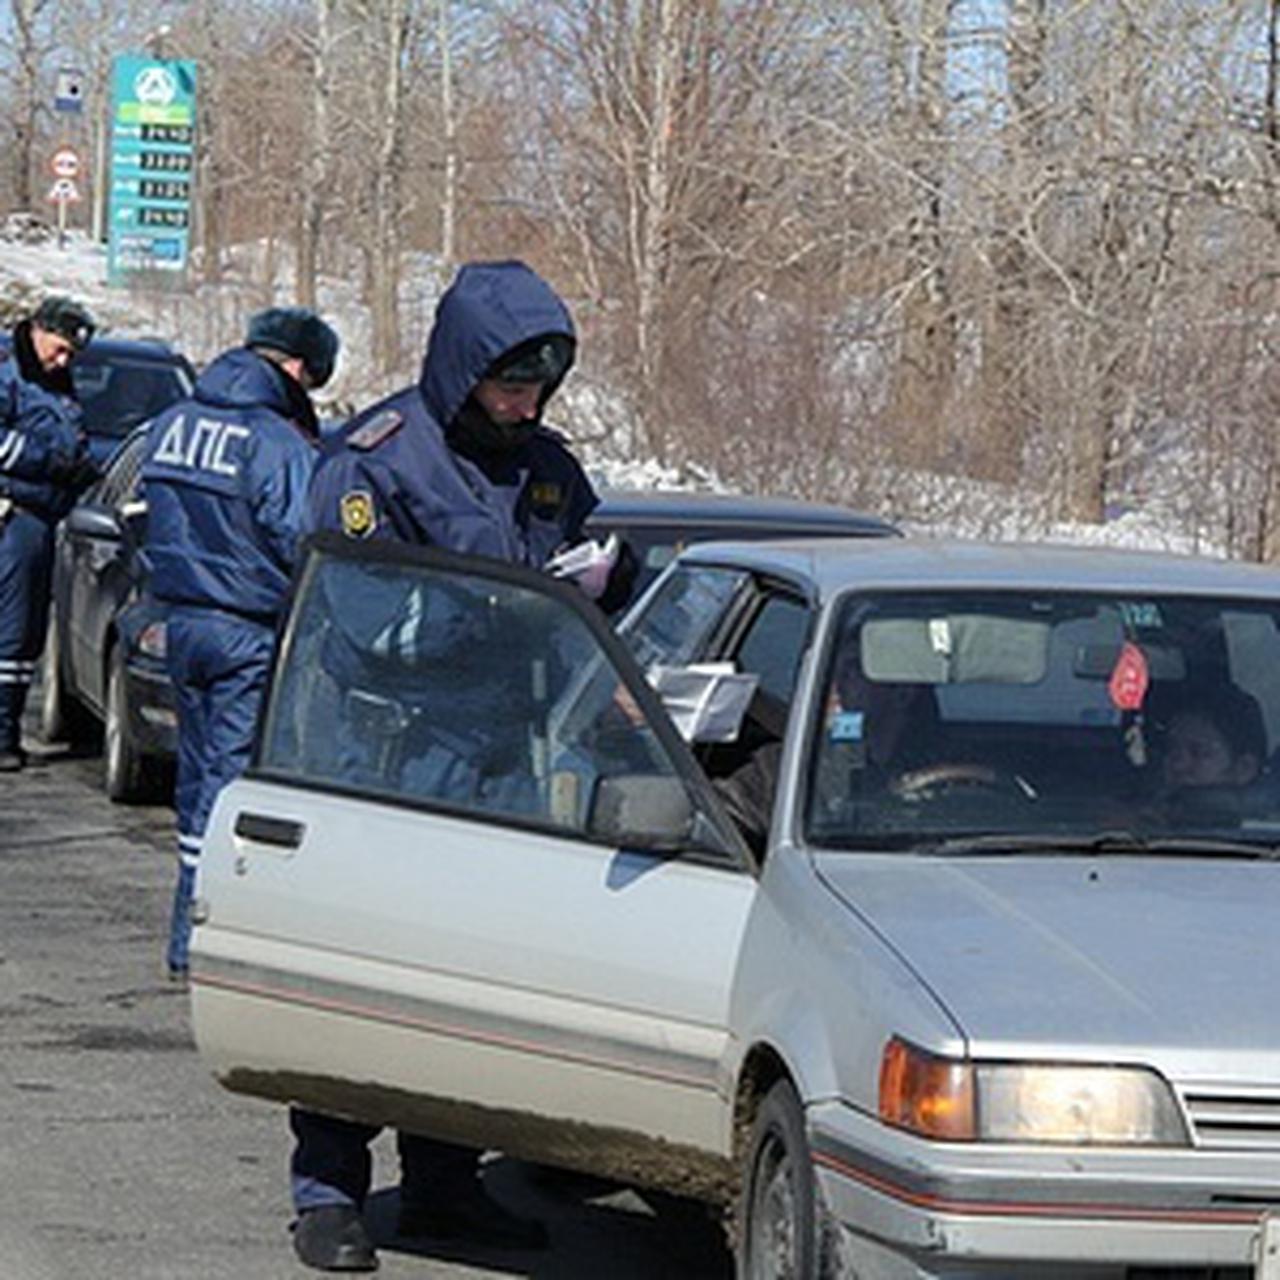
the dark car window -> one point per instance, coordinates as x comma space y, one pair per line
675, 624
118, 392
773, 645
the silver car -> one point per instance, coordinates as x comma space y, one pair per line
918, 901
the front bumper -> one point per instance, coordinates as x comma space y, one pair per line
1087, 1207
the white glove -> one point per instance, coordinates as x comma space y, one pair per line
589, 564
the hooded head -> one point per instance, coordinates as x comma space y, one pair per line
297, 332
497, 321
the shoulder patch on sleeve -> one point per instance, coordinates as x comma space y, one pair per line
382, 426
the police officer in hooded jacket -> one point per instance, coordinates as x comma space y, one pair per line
225, 477
44, 465
460, 461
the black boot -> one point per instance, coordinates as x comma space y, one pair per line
12, 760
333, 1238
466, 1211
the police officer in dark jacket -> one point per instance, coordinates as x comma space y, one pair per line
44, 464
225, 477
461, 461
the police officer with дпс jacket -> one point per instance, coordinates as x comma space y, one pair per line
225, 479
44, 465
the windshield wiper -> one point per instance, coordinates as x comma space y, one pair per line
1104, 842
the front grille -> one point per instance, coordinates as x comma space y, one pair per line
1234, 1120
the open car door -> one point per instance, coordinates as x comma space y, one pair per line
474, 884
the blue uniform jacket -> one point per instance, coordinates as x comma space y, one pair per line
41, 438
391, 473
225, 478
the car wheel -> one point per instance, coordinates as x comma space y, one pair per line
126, 766
62, 718
779, 1237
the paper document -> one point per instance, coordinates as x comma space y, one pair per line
706, 700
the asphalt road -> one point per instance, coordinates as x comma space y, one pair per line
121, 1159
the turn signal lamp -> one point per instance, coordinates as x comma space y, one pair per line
929, 1095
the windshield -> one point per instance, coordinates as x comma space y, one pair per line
953, 716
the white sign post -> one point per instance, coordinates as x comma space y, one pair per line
65, 164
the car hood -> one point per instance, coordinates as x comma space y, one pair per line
1122, 957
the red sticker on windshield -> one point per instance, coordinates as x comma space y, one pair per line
1129, 678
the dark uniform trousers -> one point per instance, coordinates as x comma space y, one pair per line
219, 663
26, 567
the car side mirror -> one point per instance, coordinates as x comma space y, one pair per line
648, 811
641, 809
93, 521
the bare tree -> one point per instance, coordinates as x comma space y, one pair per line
28, 45
314, 194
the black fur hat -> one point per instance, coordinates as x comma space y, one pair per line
296, 331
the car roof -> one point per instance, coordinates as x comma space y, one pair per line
830, 566
681, 507
155, 348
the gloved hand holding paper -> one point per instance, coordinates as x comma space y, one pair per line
589, 564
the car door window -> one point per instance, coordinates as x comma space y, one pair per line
491, 692
679, 619
774, 643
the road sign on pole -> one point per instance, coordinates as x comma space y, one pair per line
65, 163
68, 91
64, 191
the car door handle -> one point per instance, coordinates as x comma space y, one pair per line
265, 830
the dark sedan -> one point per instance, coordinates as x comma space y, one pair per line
659, 524
104, 658
104, 655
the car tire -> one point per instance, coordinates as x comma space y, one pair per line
778, 1219
127, 774
61, 717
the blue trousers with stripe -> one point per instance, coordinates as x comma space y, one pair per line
26, 568
219, 664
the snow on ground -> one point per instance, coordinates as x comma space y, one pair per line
207, 318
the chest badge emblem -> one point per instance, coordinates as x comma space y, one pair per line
356, 511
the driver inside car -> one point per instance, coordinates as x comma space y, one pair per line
874, 732
887, 721
1214, 746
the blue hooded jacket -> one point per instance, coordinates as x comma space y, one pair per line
42, 440
225, 479
391, 472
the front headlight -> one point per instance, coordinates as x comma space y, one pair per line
958, 1100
